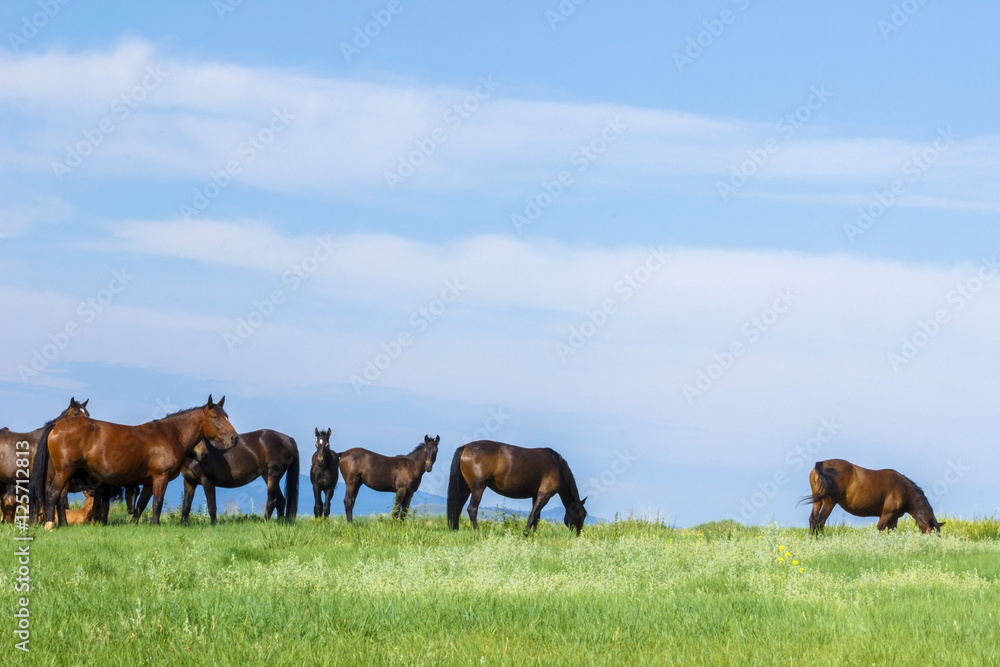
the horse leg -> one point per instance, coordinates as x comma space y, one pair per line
189, 490
397, 505
159, 490
405, 509
476, 496
888, 518
318, 501
271, 498
131, 498
141, 502
349, 495
209, 488
326, 504
54, 494
536, 510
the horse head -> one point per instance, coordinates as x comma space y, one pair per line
576, 514
216, 426
430, 451
323, 443
76, 409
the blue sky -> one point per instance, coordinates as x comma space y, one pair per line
693, 248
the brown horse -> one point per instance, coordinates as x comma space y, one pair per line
324, 473
400, 474
118, 455
862, 492
9, 450
264, 453
13, 446
514, 472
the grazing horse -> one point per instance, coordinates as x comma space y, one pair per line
400, 474
118, 455
323, 473
263, 453
862, 492
514, 472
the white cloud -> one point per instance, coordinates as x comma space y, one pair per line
346, 135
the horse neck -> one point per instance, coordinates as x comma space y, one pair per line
568, 493
920, 507
418, 456
184, 431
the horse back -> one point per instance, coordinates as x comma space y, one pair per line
516, 472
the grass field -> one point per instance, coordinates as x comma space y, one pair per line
248, 592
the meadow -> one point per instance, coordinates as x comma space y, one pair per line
627, 592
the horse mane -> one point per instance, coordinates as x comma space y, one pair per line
919, 500
221, 411
565, 475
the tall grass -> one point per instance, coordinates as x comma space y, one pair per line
634, 592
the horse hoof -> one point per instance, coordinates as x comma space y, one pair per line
50, 525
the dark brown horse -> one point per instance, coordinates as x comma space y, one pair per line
324, 473
400, 474
118, 455
514, 472
862, 492
265, 453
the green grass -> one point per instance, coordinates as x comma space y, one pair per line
322, 592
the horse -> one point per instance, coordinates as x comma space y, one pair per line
14, 445
514, 472
323, 473
883, 493
263, 453
119, 455
9, 450
401, 474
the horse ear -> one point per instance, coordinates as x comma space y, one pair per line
222, 401
72, 400
84, 404
317, 431
584, 501
437, 439
209, 404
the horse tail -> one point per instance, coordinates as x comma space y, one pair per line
292, 484
826, 480
39, 474
458, 489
